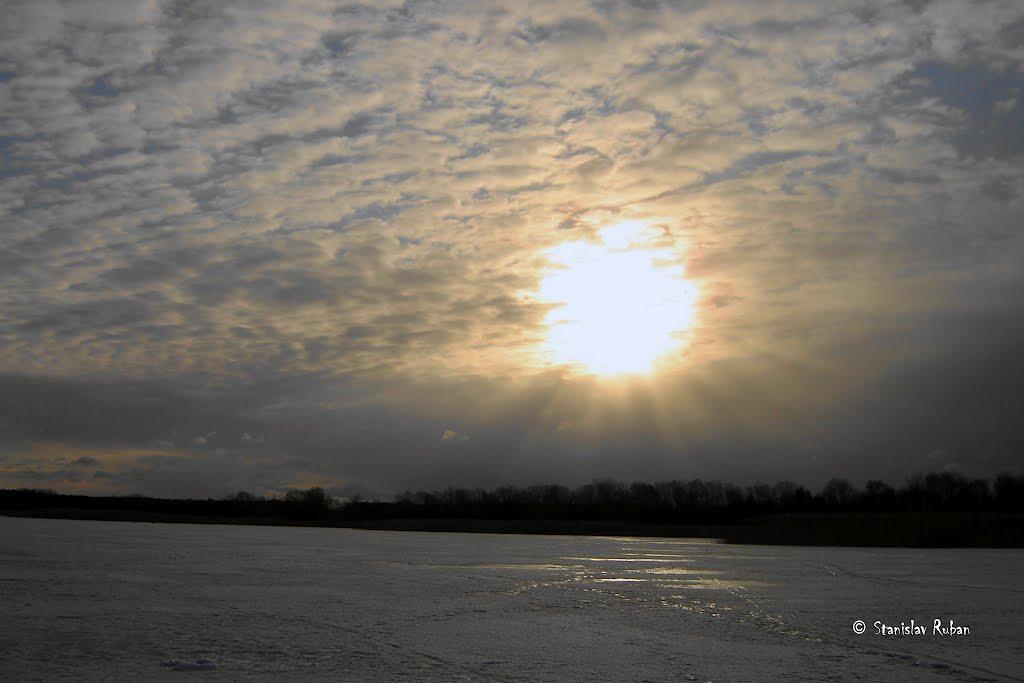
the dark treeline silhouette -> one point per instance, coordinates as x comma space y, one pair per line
710, 501
937, 509
295, 505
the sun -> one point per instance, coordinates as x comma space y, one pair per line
619, 306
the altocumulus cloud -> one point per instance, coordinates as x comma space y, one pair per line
319, 223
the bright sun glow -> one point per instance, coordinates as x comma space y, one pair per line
620, 306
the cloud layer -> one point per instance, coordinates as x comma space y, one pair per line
265, 244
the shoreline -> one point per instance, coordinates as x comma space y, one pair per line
925, 530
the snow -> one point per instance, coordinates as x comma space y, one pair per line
103, 600
200, 664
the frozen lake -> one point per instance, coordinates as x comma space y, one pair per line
98, 600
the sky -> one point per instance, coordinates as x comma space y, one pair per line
371, 247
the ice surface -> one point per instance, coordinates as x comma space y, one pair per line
107, 600
198, 665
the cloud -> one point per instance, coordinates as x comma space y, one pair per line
303, 221
452, 435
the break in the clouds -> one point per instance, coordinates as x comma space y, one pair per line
259, 245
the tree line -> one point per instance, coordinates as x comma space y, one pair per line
709, 501
682, 502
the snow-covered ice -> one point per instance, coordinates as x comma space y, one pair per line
200, 664
108, 600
